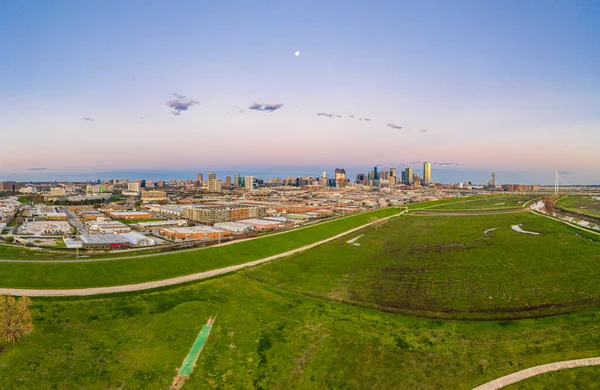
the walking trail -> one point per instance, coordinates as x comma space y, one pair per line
177, 280
537, 370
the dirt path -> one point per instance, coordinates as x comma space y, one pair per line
537, 370
178, 280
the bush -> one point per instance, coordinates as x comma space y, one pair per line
15, 318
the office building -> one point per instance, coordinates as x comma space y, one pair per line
57, 191
133, 187
249, 182
409, 176
426, 173
200, 179
228, 181
236, 180
214, 185
212, 175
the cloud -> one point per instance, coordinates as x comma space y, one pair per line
182, 103
265, 107
351, 116
37, 169
366, 119
446, 163
565, 172
329, 115
393, 126
423, 130
87, 119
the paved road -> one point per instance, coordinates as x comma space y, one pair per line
74, 221
537, 370
174, 281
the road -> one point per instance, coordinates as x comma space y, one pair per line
537, 370
178, 280
74, 221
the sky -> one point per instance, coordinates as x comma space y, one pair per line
92, 88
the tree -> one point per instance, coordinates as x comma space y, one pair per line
10, 239
15, 318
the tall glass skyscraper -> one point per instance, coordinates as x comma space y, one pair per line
426, 173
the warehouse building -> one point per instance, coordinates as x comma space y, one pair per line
194, 232
103, 241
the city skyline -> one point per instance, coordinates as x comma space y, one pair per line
232, 94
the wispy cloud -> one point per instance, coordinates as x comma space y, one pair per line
182, 103
446, 163
37, 169
265, 107
88, 119
365, 119
423, 130
393, 126
329, 115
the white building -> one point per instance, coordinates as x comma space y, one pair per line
28, 190
234, 227
138, 239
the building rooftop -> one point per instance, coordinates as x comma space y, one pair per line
102, 239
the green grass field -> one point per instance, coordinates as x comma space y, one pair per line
444, 267
493, 202
581, 204
265, 337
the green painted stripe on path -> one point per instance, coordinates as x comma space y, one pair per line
190, 360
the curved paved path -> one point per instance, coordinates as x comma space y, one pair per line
177, 280
537, 370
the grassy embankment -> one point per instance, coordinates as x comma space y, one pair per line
581, 204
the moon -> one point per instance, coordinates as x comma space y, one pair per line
297, 53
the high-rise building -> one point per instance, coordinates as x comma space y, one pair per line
403, 177
409, 176
375, 174
200, 178
426, 173
214, 185
133, 187
392, 177
228, 181
212, 175
340, 177
249, 182
236, 180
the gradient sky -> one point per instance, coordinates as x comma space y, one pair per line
505, 86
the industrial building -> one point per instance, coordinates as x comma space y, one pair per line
129, 215
194, 232
262, 224
234, 227
103, 241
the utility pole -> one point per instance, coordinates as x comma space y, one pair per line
556, 183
